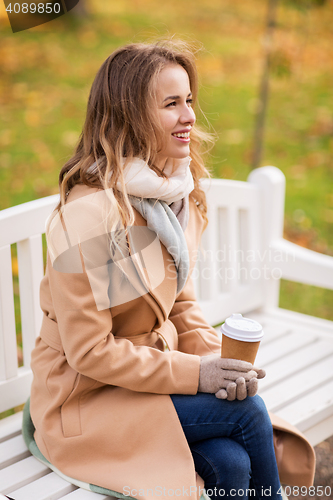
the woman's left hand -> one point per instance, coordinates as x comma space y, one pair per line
242, 388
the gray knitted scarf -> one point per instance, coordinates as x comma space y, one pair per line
164, 222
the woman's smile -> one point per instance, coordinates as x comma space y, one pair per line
174, 107
183, 135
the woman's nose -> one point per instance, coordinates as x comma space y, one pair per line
188, 116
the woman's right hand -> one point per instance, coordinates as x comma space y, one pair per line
228, 378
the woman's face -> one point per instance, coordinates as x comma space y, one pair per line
174, 107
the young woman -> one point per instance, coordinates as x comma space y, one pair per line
129, 392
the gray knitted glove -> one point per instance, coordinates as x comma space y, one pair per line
228, 378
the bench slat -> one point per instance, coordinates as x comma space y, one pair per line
10, 426
292, 363
321, 431
221, 286
311, 409
12, 451
273, 332
22, 221
30, 261
299, 384
8, 349
81, 494
308, 324
282, 346
21, 473
15, 391
50, 487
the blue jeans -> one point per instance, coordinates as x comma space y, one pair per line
232, 445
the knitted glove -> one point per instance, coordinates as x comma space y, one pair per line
242, 388
228, 378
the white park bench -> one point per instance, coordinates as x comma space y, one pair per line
245, 257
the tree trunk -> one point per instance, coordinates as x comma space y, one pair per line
264, 85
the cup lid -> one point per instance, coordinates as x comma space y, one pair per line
239, 328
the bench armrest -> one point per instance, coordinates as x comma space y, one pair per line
302, 265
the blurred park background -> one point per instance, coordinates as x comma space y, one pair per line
47, 71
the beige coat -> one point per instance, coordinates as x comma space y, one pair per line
100, 394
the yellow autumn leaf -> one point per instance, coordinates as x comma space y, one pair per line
14, 266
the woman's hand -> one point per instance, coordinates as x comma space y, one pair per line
228, 378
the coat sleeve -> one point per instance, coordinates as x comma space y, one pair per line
86, 333
195, 335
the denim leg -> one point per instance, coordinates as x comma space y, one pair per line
225, 467
247, 422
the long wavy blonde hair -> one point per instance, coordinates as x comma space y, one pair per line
121, 121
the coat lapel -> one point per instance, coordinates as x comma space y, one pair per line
155, 268
154, 264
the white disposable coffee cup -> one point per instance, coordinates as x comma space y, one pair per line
241, 338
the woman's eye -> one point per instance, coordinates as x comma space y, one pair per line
174, 103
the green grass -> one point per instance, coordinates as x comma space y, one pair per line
46, 74
306, 299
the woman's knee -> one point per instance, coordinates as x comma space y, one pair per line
256, 417
255, 408
222, 462
238, 464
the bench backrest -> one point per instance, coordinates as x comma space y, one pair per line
236, 270
230, 275
21, 226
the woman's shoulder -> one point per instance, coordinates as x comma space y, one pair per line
80, 191
88, 213
84, 201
